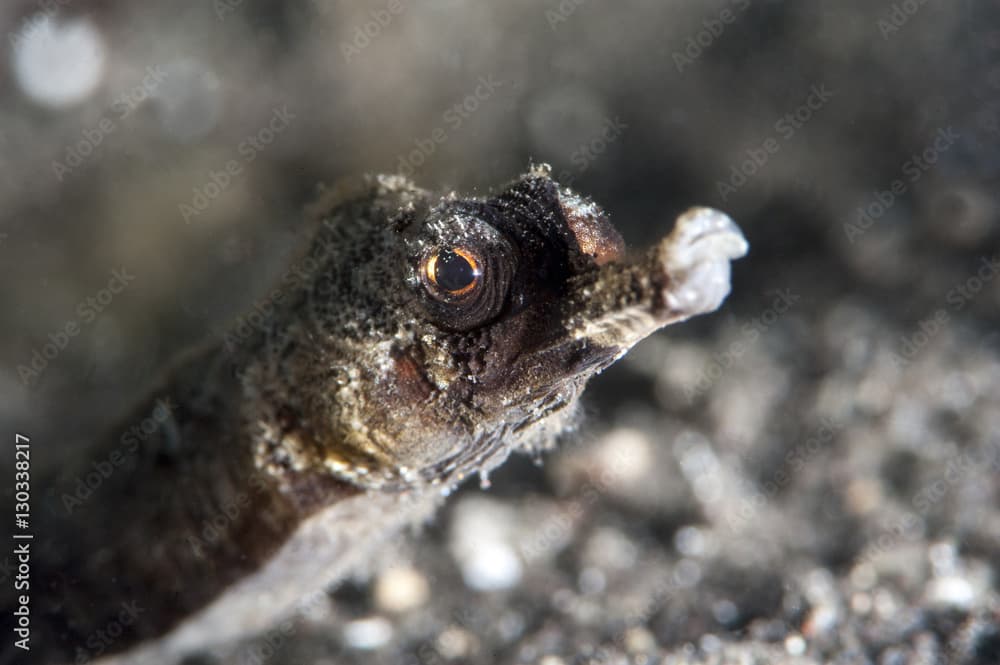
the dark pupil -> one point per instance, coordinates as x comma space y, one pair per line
453, 272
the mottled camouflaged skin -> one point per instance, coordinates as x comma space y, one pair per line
424, 391
359, 402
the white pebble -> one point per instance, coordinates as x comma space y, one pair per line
491, 567
951, 590
399, 589
795, 645
626, 456
454, 643
639, 640
821, 620
57, 64
367, 634
481, 540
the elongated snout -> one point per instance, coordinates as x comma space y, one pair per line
685, 274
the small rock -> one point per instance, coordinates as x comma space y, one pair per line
639, 640
952, 591
368, 633
795, 645
399, 589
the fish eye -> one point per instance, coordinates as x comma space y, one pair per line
453, 272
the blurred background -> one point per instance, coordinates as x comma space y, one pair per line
810, 475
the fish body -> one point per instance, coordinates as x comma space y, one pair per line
426, 338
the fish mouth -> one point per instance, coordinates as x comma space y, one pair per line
696, 258
684, 275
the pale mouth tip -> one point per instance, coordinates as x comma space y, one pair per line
696, 256
711, 231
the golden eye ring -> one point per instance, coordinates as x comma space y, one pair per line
454, 272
